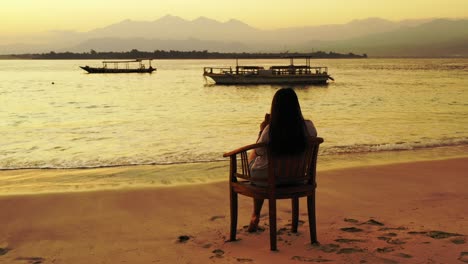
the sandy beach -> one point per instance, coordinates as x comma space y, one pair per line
397, 213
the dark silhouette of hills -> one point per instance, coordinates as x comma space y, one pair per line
374, 36
441, 37
174, 54
124, 44
175, 28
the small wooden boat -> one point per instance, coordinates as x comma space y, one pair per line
122, 66
285, 74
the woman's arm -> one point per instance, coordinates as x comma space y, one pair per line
263, 137
265, 122
252, 155
311, 130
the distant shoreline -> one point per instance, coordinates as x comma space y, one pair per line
283, 56
161, 54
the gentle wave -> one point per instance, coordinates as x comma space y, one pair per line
93, 121
398, 146
327, 151
418, 67
109, 165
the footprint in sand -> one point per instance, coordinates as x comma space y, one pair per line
3, 251
403, 255
244, 260
351, 220
389, 240
349, 250
417, 232
368, 222
213, 218
218, 253
305, 259
463, 257
458, 238
183, 239
396, 242
441, 234
458, 241
348, 240
351, 229
385, 250
32, 260
207, 245
392, 228
373, 222
327, 248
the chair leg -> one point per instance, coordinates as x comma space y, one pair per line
312, 220
233, 200
272, 212
295, 214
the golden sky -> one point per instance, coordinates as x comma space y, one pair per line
19, 17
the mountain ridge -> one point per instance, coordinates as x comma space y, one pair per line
373, 36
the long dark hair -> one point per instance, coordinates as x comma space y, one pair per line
287, 128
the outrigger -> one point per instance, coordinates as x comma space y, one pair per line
284, 74
122, 69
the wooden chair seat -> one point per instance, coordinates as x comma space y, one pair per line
282, 192
298, 168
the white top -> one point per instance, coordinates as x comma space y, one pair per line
261, 162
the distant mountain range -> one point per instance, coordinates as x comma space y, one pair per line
441, 37
373, 36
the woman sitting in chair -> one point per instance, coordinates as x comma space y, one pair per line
286, 132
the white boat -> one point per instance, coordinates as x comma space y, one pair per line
285, 74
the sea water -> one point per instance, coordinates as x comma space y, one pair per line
55, 115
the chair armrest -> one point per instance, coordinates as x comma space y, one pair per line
244, 165
243, 149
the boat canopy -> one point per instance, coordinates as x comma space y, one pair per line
250, 67
286, 67
126, 61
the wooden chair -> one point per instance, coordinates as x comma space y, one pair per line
299, 168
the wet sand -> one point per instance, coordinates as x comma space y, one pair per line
398, 213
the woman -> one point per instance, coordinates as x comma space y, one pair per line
285, 131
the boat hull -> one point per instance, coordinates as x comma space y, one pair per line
273, 79
109, 70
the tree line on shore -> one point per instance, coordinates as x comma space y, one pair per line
175, 54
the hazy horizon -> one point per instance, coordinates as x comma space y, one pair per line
28, 17
376, 28
44, 36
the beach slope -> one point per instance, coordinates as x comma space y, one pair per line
398, 213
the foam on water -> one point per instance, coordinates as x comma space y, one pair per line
173, 117
215, 157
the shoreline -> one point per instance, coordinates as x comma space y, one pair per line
420, 208
7, 57
31, 181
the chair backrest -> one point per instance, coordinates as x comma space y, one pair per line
294, 169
